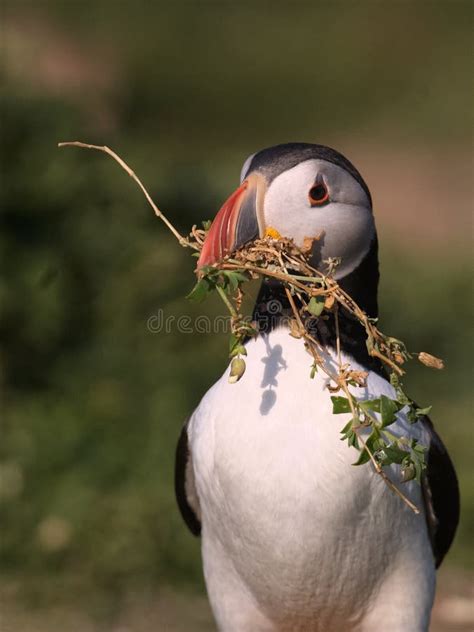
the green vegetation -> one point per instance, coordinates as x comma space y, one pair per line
311, 294
94, 398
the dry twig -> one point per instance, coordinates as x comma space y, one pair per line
106, 150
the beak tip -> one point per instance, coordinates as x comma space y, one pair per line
235, 224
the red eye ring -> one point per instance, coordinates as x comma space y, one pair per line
318, 194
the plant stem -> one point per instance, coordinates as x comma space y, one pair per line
228, 304
103, 148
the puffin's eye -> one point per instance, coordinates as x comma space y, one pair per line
318, 194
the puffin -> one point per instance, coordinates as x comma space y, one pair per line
293, 536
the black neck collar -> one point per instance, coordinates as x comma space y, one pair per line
272, 309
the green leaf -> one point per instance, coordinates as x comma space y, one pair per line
232, 281
408, 472
199, 291
233, 278
347, 428
388, 410
370, 404
394, 380
414, 463
394, 454
397, 385
236, 347
364, 457
240, 276
349, 434
352, 440
340, 405
316, 305
420, 448
239, 349
390, 436
208, 271
373, 443
420, 412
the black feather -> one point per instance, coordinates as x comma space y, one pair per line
441, 495
183, 478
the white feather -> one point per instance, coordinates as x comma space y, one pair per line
294, 537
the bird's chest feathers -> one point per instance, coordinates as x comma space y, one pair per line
271, 440
276, 483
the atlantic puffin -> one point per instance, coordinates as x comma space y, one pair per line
294, 537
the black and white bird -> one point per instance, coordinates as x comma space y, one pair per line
293, 537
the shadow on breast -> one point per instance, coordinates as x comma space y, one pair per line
274, 363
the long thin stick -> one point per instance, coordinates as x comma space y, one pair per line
265, 272
386, 479
342, 383
106, 150
375, 464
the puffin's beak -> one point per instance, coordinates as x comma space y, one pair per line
239, 221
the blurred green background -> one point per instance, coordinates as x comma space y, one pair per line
93, 400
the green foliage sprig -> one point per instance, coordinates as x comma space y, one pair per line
368, 429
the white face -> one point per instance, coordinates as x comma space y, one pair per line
346, 219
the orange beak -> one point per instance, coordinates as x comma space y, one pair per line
239, 221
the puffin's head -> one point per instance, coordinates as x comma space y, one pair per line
298, 191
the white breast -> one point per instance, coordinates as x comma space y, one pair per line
295, 536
